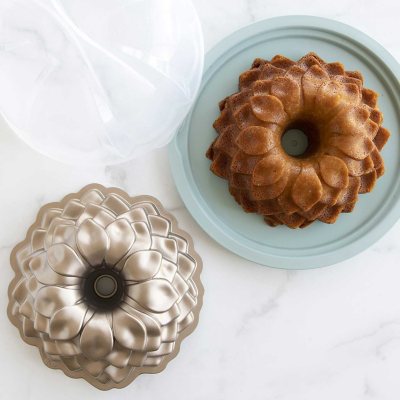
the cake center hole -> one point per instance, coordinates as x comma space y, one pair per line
300, 139
295, 142
105, 286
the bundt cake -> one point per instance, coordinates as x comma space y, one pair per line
340, 119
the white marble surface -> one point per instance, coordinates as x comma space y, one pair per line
330, 334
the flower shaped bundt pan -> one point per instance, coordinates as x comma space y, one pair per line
105, 286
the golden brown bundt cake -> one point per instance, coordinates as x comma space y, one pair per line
338, 115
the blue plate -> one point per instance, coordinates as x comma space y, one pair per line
206, 196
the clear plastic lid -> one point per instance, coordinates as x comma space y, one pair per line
98, 81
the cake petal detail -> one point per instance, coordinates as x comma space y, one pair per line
307, 189
268, 171
331, 95
288, 92
268, 109
244, 164
354, 146
256, 140
309, 60
334, 171
312, 79
270, 191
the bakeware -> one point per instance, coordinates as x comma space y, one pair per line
106, 286
206, 196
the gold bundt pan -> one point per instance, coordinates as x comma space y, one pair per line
337, 113
106, 286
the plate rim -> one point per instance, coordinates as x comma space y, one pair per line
186, 192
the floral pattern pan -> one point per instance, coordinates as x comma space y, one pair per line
106, 286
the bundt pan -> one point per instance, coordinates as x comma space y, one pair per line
106, 286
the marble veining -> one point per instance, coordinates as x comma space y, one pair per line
264, 334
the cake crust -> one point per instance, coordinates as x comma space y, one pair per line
341, 120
